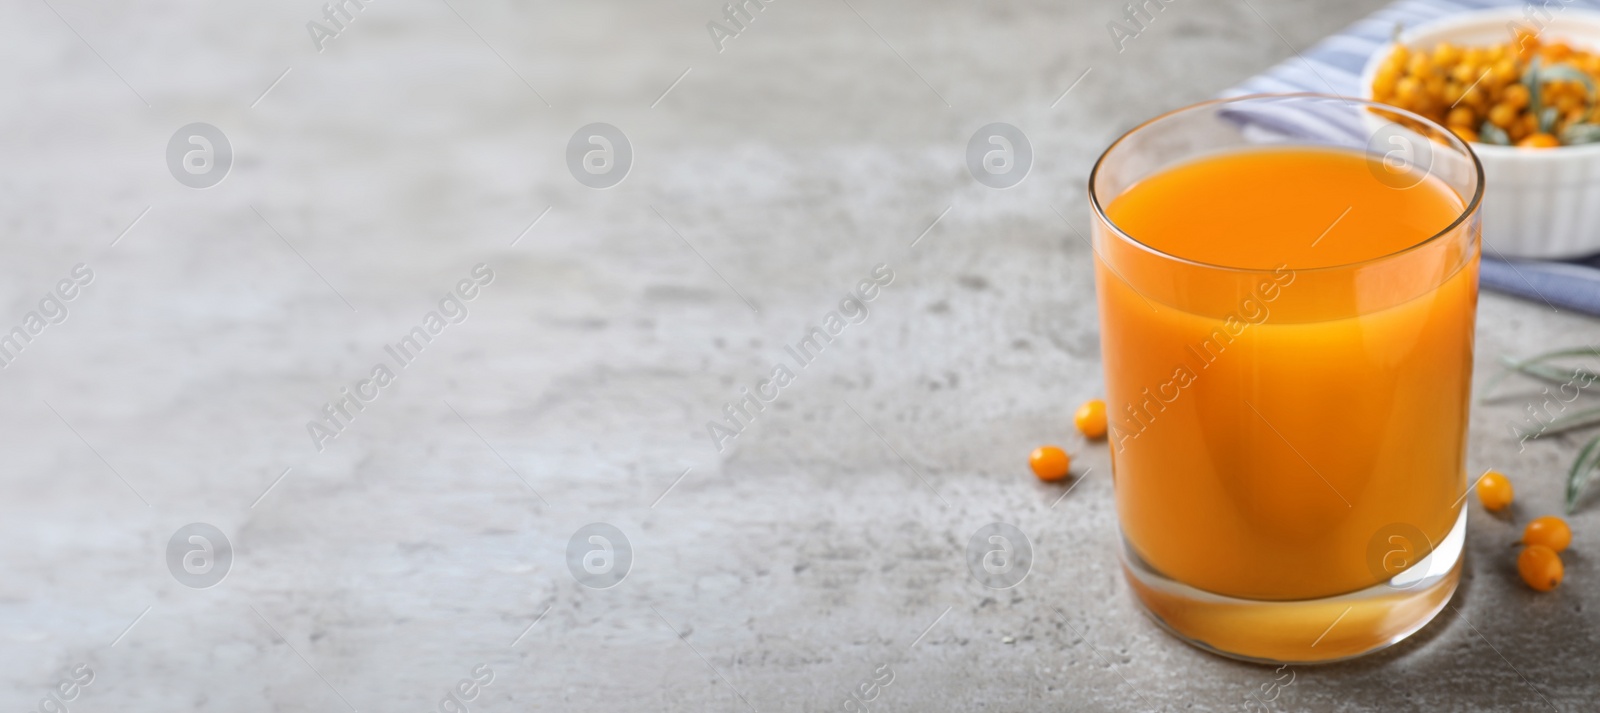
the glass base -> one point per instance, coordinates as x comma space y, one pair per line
1307, 630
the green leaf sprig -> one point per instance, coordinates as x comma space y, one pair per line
1543, 368
1582, 470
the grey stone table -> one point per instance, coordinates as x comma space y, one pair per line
371, 162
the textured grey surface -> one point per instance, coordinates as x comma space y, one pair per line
383, 569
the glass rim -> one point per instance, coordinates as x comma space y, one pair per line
1455, 141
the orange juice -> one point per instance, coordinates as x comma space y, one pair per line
1278, 397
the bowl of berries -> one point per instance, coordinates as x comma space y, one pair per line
1523, 93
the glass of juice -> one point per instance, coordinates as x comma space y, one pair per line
1287, 288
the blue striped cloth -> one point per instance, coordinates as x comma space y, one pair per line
1334, 66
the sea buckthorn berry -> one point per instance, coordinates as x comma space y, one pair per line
1494, 490
1539, 141
1461, 116
1446, 54
1420, 65
1384, 82
1540, 567
1549, 531
1515, 96
1525, 45
1529, 123
1091, 418
1049, 463
1502, 115
1407, 89
1505, 70
1464, 133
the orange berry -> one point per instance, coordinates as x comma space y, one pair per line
1384, 83
1516, 96
1049, 463
1502, 115
1407, 89
1399, 57
1091, 418
1527, 46
1434, 86
1446, 54
1539, 141
1465, 134
1494, 490
1420, 65
1549, 531
1505, 71
1540, 567
1522, 37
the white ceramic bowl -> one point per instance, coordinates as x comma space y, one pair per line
1537, 203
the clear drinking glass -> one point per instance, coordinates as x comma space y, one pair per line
1288, 441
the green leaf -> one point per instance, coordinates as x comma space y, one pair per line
1491, 134
1553, 374
1524, 366
1567, 73
1582, 133
1530, 79
1564, 423
1547, 119
1582, 470
1558, 353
